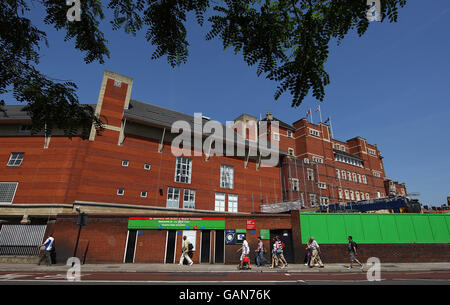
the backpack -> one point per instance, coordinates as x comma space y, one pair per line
190, 246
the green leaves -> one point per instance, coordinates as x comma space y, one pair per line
288, 41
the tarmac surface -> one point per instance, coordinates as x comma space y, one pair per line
202, 268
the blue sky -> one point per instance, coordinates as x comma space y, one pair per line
391, 87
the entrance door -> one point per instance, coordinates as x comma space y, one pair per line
286, 237
219, 254
206, 246
131, 246
170, 246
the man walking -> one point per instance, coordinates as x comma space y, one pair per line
185, 252
260, 253
47, 247
315, 256
352, 253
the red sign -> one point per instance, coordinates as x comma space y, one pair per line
251, 224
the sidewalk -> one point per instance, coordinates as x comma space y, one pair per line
219, 268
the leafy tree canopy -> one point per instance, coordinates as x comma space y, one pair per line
288, 41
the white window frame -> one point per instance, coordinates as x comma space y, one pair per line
324, 200
291, 152
183, 170
322, 185
338, 173
120, 192
125, 163
358, 198
340, 194
173, 196
364, 179
219, 203
318, 160
310, 174
344, 175
226, 176
143, 194
233, 203
2, 187
290, 134
295, 184
147, 166
275, 136
190, 196
314, 132
347, 194
16, 159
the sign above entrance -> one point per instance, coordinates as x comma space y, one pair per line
176, 223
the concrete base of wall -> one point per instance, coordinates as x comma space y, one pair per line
19, 259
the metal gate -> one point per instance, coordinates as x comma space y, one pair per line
21, 239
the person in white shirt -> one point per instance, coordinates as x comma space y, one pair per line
315, 258
185, 252
245, 252
47, 247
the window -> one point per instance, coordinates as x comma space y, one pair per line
322, 185
219, 202
338, 174
352, 195
276, 136
367, 196
354, 177
349, 175
306, 160
233, 203
15, 159
125, 162
295, 186
347, 196
147, 166
314, 132
310, 174
344, 176
291, 152
359, 178
372, 152
226, 176
364, 179
173, 197
189, 199
379, 194
144, 194
340, 194
183, 170
7, 191
324, 200
313, 199
357, 196
318, 160
117, 83
289, 133
120, 192
377, 174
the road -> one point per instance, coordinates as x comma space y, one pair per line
225, 278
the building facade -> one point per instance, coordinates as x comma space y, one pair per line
133, 170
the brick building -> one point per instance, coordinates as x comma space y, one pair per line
130, 171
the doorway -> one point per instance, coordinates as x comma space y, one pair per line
286, 237
219, 247
131, 246
170, 246
205, 246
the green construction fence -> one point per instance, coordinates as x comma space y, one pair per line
373, 228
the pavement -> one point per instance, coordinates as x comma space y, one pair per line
220, 268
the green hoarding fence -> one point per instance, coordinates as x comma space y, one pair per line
375, 228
